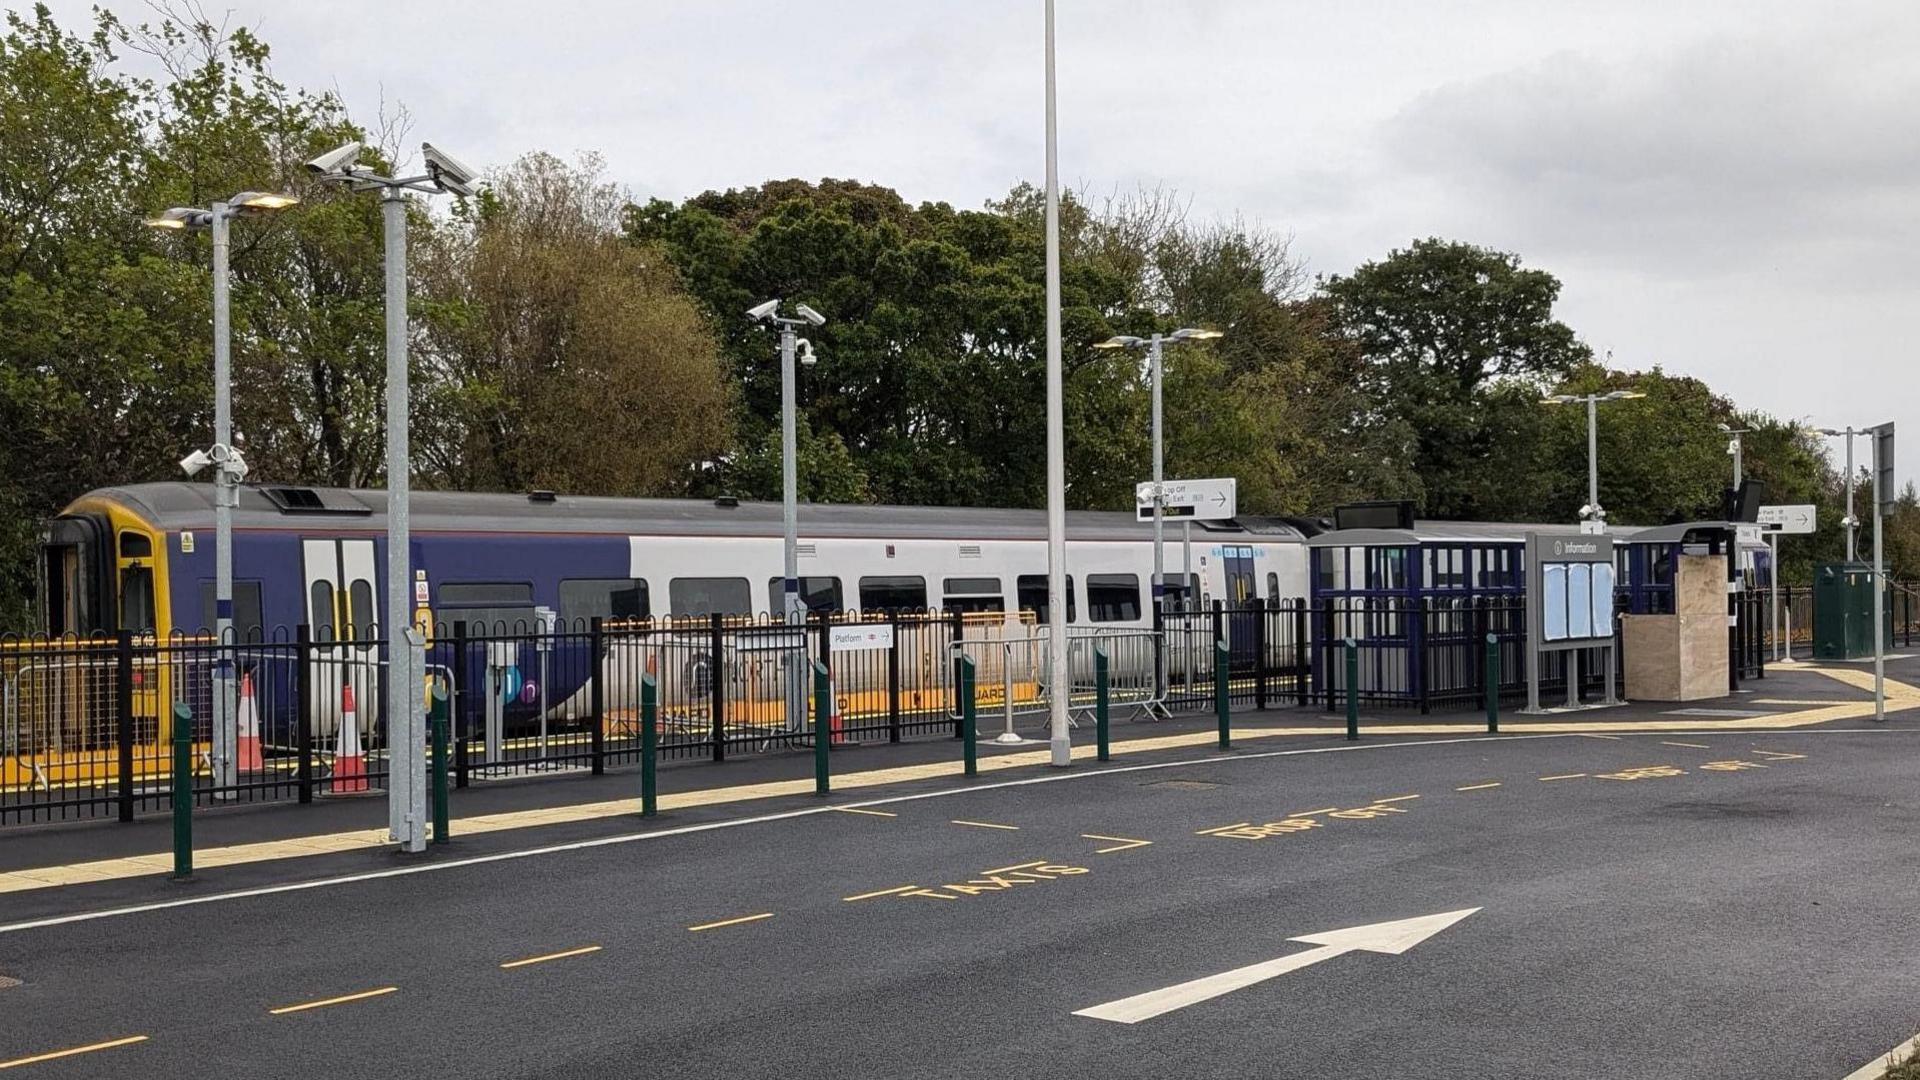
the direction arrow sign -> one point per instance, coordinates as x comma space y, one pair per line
1792, 520
1392, 938
1196, 500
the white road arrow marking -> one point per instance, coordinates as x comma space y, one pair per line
1392, 938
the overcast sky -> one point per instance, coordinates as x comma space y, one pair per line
1727, 189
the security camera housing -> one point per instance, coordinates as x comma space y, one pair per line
335, 160
806, 352
194, 462
762, 311
448, 171
811, 315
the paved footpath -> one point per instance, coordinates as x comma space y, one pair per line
1728, 902
34, 861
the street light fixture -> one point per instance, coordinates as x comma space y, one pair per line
1154, 346
405, 690
230, 468
1594, 518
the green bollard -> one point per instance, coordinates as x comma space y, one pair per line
822, 719
439, 724
1100, 701
969, 733
1353, 690
182, 790
1221, 662
649, 743
1493, 684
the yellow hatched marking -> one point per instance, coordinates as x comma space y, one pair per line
341, 1000
582, 951
1310, 813
733, 922
87, 1049
1121, 843
1396, 798
1565, 776
1688, 745
858, 810
986, 825
1775, 755
1478, 787
1019, 866
880, 892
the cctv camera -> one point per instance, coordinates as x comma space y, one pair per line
812, 316
763, 311
806, 352
339, 159
194, 462
1586, 510
447, 171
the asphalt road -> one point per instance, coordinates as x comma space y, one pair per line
1742, 907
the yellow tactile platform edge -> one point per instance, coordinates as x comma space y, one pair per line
1899, 697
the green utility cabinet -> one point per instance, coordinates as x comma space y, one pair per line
1843, 611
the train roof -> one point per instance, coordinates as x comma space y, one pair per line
174, 505
1512, 532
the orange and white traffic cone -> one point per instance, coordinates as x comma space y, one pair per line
247, 728
349, 768
835, 718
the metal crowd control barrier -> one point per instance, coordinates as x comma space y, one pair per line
1011, 674
1131, 655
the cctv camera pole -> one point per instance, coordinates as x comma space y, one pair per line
1593, 460
789, 483
1058, 681
1853, 523
1879, 584
405, 697
224, 496
1159, 491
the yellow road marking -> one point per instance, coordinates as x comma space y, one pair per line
1396, 798
324, 1002
1122, 843
880, 892
1565, 776
1305, 813
1020, 866
1776, 755
1688, 745
986, 825
87, 1049
1225, 828
858, 810
733, 922
582, 951
1478, 787
1597, 735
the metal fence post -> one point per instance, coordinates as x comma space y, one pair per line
649, 743
716, 689
1222, 659
826, 662
1260, 653
963, 668
182, 790
822, 722
1100, 731
893, 679
462, 754
123, 717
1160, 648
438, 723
1493, 684
1353, 689
1302, 661
303, 712
596, 646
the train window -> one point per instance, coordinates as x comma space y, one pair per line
360, 614
136, 599
708, 595
819, 594
1183, 597
893, 593
970, 594
1031, 592
247, 623
584, 599
135, 545
1273, 587
320, 604
487, 607
1113, 597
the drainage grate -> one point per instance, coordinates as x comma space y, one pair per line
1183, 785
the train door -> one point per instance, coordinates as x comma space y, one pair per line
341, 612
1236, 567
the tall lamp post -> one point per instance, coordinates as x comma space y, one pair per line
1593, 518
1154, 345
1059, 680
230, 468
405, 689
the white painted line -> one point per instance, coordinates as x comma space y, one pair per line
1392, 938
1877, 1068
787, 815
